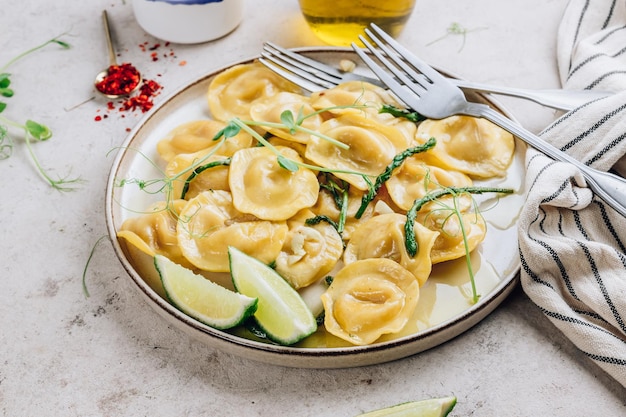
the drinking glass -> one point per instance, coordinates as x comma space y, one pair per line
339, 22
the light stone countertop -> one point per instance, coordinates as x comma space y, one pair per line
110, 354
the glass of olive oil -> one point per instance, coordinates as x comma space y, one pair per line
340, 22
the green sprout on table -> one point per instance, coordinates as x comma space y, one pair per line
32, 130
456, 29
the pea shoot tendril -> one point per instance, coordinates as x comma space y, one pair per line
32, 130
456, 193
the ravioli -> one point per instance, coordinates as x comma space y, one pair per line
232, 92
414, 179
369, 298
271, 109
383, 236
470, 145
198, 135
157, 230
352, 97
451, 244
309, 252
181, 167
209, 224
262, 187
371, 148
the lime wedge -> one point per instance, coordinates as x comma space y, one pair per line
202, 299
434, 407
282, 313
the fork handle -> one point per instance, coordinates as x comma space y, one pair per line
609, 187
555, 98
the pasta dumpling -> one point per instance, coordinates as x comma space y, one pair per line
383, 236
232, 92
271, 109
450, 244
369, 298
182, 165
198, 135
209, 224
263, 188
157, 230
369, 151
414, 179
309, 252
470, 145
352, 97
327, 206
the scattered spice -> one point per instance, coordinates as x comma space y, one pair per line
144, 100
120, 80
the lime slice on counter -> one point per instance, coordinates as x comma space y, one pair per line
201, 298
282, 313
434, 407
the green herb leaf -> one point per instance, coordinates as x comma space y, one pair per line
321, 218
200, 169
287, 119
6, 145
61, 43
5, 81
3, 106
386, 174
396, 112
38, 131
229, 131
287, 163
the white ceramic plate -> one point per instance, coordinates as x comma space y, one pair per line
443, 312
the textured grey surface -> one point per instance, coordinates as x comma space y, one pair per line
109, 354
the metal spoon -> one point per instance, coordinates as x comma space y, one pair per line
102, 76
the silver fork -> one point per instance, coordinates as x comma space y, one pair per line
437, 98
313, 75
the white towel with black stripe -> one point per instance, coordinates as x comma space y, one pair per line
572, 245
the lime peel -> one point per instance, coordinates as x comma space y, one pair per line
433, 407
282, 313
201, 298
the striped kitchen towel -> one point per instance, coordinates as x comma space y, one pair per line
572, 245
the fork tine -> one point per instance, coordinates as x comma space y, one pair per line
408, 56
293, 65
402, 75
294, 74
323, 68
289, 76
399, 62
408, 97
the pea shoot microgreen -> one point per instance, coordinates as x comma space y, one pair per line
32, 130
456, 193
455, 28
386, 174
412, 116
340, 194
